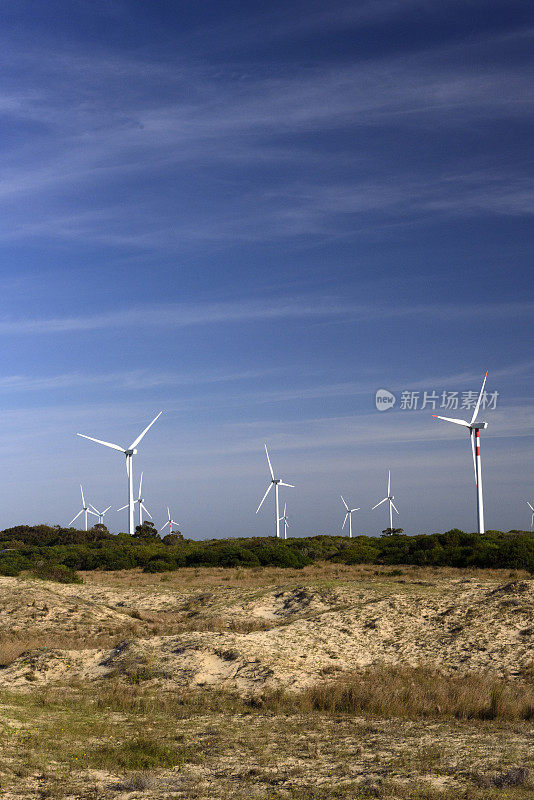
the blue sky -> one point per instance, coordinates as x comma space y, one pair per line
253, 217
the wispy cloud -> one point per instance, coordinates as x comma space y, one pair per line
132, 379
208, 314
99, 121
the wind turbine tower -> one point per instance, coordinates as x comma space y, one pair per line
129, 452
100, 514
84, 510
276, 482
140, 502
170, 522
390, 498
284, 519
474, 429
349, 513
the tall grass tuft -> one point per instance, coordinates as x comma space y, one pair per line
414, 693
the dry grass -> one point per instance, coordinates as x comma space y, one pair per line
206, 578
390, 730
80, 743
380, 692
415, 694
11, 647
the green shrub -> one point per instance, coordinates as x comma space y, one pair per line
80, 550
10, 569
159, 565
56, 572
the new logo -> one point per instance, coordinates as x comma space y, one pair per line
384, 399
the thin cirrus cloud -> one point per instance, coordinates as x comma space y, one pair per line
294, 211
117, 121
90, 135
183, 316
126, 380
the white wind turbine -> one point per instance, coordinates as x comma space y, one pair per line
286, 523
532, 518
390, 498
276, 482
140, 502
100, 514
129, 452
170, 522
349, 513
474, 428
84, 510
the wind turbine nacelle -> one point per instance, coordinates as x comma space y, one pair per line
481, 425
131, 452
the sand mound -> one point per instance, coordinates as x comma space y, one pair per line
291, 602
456, 625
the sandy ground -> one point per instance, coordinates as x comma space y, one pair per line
79, 662
243, 636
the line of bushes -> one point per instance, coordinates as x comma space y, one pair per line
39, 548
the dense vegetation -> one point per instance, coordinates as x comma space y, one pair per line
58, 552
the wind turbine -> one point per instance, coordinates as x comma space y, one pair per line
129, 452
286, 523
140, 501
532, 519
276, 482
390, 498
170, 522
84, 510
474, 429
100, 514
350, 512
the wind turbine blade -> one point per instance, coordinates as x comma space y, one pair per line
122, 507
456, 421
167, 523
99, 441
105, 511
168, 513
94, 509
379, 504
286, 484
285, 509
528, 504
136, 441
269, 462
472, 437
76, 517
389, 482
140, 485
394, 506
346, 506
354, 509
92, 512
270, 486
145, 509
83, 498
345, 520
475, 412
